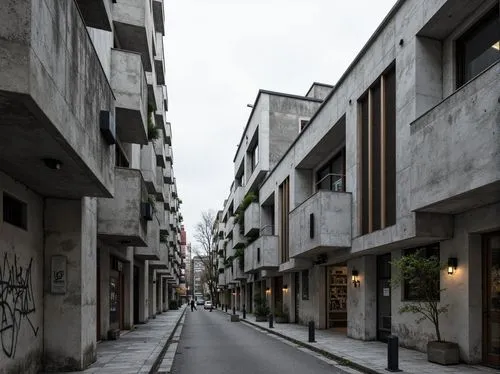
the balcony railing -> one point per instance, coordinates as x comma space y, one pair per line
332, 182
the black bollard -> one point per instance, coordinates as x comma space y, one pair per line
271, 321
226, 307
392, 353
234, 310
311, 332
244, 312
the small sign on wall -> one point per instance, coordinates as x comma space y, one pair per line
58, 274
387, 291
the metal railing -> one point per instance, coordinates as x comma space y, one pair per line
336, 182
267, 230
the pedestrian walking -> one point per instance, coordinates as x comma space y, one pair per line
193, 306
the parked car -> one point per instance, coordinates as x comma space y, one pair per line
200, 301
208, 305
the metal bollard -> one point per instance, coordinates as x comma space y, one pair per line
392, 353
244, 312
271, 321
226, 307
234, 310
311, 332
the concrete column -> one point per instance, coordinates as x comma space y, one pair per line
362, 300
152, 293
70, 318
144, 293
104, 266
159, 282
128, 269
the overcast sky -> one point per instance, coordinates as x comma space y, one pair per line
219, 53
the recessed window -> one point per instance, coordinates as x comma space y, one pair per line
413, 292
478, 47
255, 156
331, 176
15, 211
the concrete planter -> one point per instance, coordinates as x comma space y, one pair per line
260, 318
444, 353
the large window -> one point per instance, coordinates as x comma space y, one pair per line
415, 293
478, 47
284, 199
331, 176
377, 129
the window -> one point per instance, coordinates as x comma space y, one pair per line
284, 198
305, 285
412, 293
479, 47
331, 176
15, 211
377, 127
258, 255
303, 124
255, 157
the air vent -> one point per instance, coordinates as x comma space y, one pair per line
15, 211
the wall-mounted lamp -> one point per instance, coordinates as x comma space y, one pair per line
452, 265
355, 280
52, 163
285, 288
268, 291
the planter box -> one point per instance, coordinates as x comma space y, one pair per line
235, 318
260, 318
443, 353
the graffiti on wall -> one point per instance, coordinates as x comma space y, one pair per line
17, 303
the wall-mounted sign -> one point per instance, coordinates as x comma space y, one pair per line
386, 291
58, 274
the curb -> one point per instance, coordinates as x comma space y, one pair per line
339, 359
159, 358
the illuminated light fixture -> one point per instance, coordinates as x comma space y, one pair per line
285, 288
355, 280
452, 265
52, 163
268, 291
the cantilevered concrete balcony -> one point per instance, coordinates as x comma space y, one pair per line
96, 13
238, 273
161, 195
153, 99
160, 150
148, 167
133, 23
160, 116
54, 99
262, 254
455, 149
129, 86
168, 133
167, 172
222, 280
239, 240
230, 227
159, 16
162, 263
321, 223
168, 153
122, 220
159, 62
239, 194
152, 250
252, 220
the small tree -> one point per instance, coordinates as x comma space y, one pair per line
208, 252
422, 275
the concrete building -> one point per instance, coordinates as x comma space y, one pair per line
89, 225
402, 153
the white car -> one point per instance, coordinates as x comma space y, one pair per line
208, 305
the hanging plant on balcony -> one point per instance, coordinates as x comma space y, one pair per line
152, 202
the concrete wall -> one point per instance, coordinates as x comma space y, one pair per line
314, 309
21, 252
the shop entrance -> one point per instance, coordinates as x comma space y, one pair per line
337, 297
383, 297
491, 300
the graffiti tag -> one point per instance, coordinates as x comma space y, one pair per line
17, 303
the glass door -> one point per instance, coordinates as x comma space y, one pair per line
491, 300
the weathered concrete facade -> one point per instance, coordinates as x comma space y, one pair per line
446, 172
90, 212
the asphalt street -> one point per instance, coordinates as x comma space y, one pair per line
211, 344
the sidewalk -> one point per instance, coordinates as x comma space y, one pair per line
138, 350
369, 357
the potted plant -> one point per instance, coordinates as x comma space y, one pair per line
281, 316
423, 274
261, 309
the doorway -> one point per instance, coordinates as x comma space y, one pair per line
297, 296
491, 300
136, 295
337, 297
383, 297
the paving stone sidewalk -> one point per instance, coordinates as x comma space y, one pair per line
138, 350
369, 357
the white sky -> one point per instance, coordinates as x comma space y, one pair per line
219, 53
